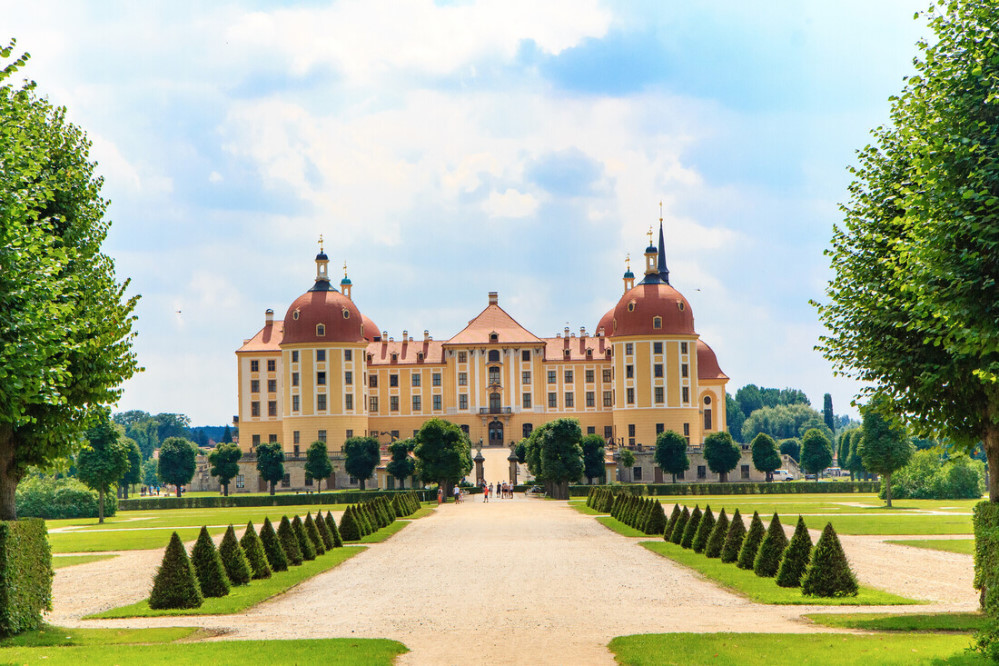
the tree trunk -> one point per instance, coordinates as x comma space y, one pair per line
100, 506
272, 486
402, 483
990, 441
225, 489
9, 476
674, 478
888, 490
361, 482
178, 490
124, 491
722, 477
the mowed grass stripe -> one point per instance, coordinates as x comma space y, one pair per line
919, 622
962, 546
71, 560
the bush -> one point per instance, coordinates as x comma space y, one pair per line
276, 556
237, 567
690, 529
675, 516
334, 532
733, 539
208, 566
175, 584
289, 542
771, 548
676, 536
290, 499
717, 537
751, 543
350, 530
986, 522
704, 528
656, 523
927, 476
733, 488
51, 498
794, 561
304, 542
25, 575
255, 555
829, 574
325, 539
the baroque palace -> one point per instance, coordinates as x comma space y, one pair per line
326, 372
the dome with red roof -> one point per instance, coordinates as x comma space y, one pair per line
606, 323
323, 316
370, 329
637, 312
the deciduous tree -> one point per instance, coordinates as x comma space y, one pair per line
671, 453
593, 457
317, 463
816, 452
555, 456
362, 456
176, 463
883, 448
270, 464
443, 453
721, 454
402, 466
104, 459
765, 456
224, 460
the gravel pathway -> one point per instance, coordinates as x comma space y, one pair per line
511, 582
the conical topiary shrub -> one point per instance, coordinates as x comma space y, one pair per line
704, 529
324, 531
276, 556
364, 525
794, 561
717, 537
289, 542
829, 574
733, 539
369, 513
675, 516
334, 531
690, 529
350, 529
771, 548
656, 523
208, 566
175, 584
255, 555
676, 536
312, 531
751, 543
304, 542
237, 568
390, 509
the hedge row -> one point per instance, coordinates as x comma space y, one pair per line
338, 497
25, 575
755, 488
50, 498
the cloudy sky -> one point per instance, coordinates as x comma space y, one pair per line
447, 149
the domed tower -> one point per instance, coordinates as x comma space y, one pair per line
655, 360
323, 359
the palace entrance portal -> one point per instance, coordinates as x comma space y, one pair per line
495, 433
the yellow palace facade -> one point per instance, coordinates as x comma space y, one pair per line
326, 372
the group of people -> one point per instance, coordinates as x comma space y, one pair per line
504, 489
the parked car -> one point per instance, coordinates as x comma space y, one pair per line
783, 475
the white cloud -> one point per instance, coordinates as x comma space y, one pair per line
510, 204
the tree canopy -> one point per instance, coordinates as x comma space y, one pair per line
402, 466
555, 456
765, 455
883, 448
443, 453
671, 453
224, 460
317, 463
912, 305
65, 322
816, 452
177, 463
782, 422
362, 457
593, 457
104, 460
721, 454
270, 463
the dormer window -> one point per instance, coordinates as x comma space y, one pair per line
589, 353
657, 322
631, 306
294, 315
419, 357
321, 330
493, 337
346, 313
566, 353
679, 304
395, 357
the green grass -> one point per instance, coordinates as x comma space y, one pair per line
89, 542
921, 622
892, 524
330, 651
582, 508
243, 596
49, 636
612, 523
765, 590
792, 649
70, 560
963, 546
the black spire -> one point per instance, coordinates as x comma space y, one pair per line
663, 271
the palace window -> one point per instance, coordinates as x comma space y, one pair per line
294, 356
526, 400
372, 381
591, 399
393, 403
417, 403
256, 440
321, 436
436, 379
286, 481
607, 376
589, 376
568, 376
272, 408
631, 396
272, 386
438, 402
462, 357
591, 430
254, 408
569, 399
393, 380
271, 365
657, 348
658, 370
631, 430
525, 377
320, 330
254, 366
525, 355
348, 401
295, 437
629, 371
683, 347
294, 379
295, 450
552, 377
657, 322
707, 418
373, 404
528, 429
415, 378
608, 398
608, 432
348, 377
463, 401
494, 376
683, 370
660, 428
295, 404
636, 473
660, 399
686, 394
321, 402
321, 379
629, 348
321, 355
462, 379
348, 354
494, 356
254, 386
702, 472
552, 400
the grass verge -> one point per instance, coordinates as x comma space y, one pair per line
585, 510
328, 651
792, 649
70, 560
963, 546
612, 523
48, 636
243, 596
135, 539
916, 622
765, 590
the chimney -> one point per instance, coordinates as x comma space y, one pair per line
385, 335
582, 331
426, 335
493, 298
566, 331
268, 317
405, 336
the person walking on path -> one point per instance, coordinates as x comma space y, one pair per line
440, 496
457, 495
485, 493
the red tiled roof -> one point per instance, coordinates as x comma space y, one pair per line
707, 363
555, 348
635, 312
335, 311
381, 352
267, 339
493, 319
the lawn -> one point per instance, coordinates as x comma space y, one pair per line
48, 636
619, 527
244, 596
963, 546
919, 622
70, 560
582, 508
792, 649
765, 590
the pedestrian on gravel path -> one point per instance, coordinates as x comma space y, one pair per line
457, 495
440, 496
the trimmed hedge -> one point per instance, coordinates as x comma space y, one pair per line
334, 530
794, 561
315, 536
254, 550
208, 566
986, 522
771, 548
25, 575
304, 542
289, 542
751, 542
336, 497
716, 539
733, 538
704, 528
690, 529
753, 488
237, 566
175, 584
829, 573
276, 556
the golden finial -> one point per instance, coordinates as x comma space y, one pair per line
345, 269
660, 211
320, 242
650, 235
627, 261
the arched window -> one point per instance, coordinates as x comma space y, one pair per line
657, 322
494, 356
321, 330
707, 412
494, 376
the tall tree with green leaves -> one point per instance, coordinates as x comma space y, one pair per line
593, 457
226, 435
133, 474
827, 413
362, 456
912, 305
224, 461
721, 454
626, 460
765, 456
104, 459
317, 463
270, 463
65, 322
816, 452
402, 465
734, 418
671, 453
884, 447
443, 453
555, 456
177, 462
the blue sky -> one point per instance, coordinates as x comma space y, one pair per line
449, 149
